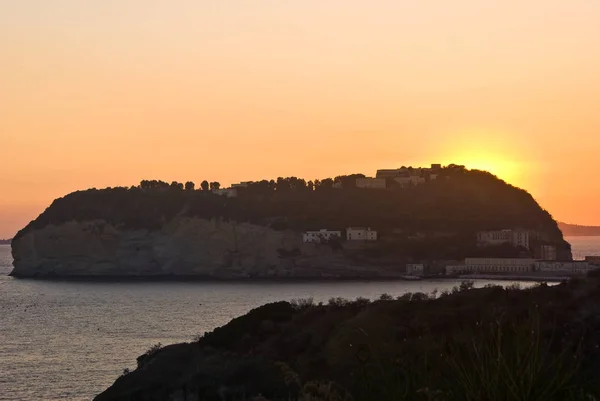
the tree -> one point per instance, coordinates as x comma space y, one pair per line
190, 186
177, 185
214, 186
204, 185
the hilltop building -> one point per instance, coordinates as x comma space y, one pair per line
320, 236
227, 192
360, 234
373, 183
243, 184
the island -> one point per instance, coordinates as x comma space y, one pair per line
350, 226
574, 230
491, 343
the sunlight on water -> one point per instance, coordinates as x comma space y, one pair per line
71, 340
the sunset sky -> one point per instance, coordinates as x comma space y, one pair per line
97, 93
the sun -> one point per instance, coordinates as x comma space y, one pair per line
494, 152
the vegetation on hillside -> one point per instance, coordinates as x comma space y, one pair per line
459, 201
468, 345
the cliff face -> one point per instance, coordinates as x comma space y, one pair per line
185, 246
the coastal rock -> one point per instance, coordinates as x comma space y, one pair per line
183, 247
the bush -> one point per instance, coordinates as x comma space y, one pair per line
302, 303
386, 297
141, 360
337, 301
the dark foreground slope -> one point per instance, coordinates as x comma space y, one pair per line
486, 344
168, 230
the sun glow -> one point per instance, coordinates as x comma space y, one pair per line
488, 151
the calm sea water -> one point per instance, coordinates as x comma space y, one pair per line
71, 340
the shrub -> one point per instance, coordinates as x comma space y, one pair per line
302, 303
141, 360
386, 297
337, 301
360, 301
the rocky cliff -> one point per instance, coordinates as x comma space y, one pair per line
183, 247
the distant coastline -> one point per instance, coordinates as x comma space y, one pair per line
5, 241
574, 230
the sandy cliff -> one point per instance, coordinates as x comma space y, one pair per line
185, 247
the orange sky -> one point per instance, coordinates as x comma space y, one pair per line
108, 92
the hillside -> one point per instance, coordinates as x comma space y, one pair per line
156, 223
574, 230
484, 344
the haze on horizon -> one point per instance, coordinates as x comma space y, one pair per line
109, 92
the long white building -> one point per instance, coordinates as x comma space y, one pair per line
360, 234
320, 236
492, 265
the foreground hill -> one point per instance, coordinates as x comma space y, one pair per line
161, 230
485, 344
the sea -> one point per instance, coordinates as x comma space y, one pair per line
70, 340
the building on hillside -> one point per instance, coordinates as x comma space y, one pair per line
492, 265
402, 181
227, 192
415, 269
593, 260
547, 252
433, 177
571, 266
436, 166
514, 237
392, 173
320, 236
372, 183
360, 234
416, 179
337, 185
243, 184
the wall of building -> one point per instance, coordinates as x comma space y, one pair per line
373, 183
577, 266
321, 235
415, 269
493, 265
361, 234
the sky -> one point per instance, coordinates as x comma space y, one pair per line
102, 93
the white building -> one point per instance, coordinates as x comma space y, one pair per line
361, 234
416, 179
571, 266
415, 269
228, 192
514, 237
593, 260
548, 252
492, 265
320, 236
372, 183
